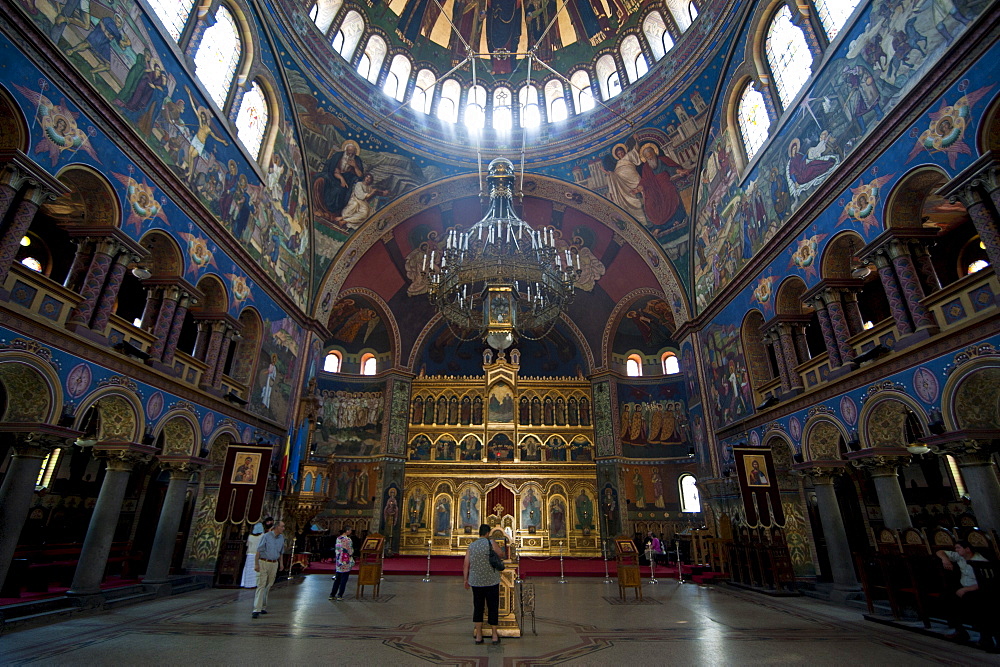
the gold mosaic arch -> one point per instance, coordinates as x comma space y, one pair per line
904, 204
543, 187
32, 388
121, 413
91, 200
971, 396
821, 437
181, 433
880, 423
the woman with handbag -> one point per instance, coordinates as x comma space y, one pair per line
345, 561
483, 577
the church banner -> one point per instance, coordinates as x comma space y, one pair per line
761, 497
243, 483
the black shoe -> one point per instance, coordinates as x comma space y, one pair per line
480, 641
255, 614
496, 642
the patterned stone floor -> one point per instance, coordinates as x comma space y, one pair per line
415, 623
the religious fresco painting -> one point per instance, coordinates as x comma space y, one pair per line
352, 485
644, 484
116, 47
885, 53
356, 324
726, 370
280, 350
646, 325
652, 418
352, 418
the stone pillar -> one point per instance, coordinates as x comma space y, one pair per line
772, 340
978, 189
8, 191
928, 274
832, 349
893, 293
81, 260
855, 323
988, 228
838, 323
212, 355
17, 227
837, 546
801, 343
170, 347
910, 285
154, 296
890, 495
162, 550
220, 366
788, 352
106, 303
164, 321
201, 342
30, 449
93, 285
101, 531
984, 489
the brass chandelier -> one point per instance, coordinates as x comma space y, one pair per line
501, 278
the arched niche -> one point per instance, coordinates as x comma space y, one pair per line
837, 256
120, 415
247, 350
788, 299
972, 397
823, 439
32, 393
215, 298
883, 420
164, 259
91, 200
179, 435
754, 349
14, 134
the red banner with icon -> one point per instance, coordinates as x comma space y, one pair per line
244, 483
761, 497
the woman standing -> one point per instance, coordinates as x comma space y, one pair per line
484, 581
344, 558
249, 575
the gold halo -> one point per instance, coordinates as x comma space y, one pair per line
614, 150
350, 142
656, 149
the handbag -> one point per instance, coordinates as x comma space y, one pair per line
495, 561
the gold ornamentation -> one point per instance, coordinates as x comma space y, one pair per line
117, 419
27, 393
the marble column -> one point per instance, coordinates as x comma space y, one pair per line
212, 355
10, 240
832, 349
154, 296
18, 486
988, 228
838, 323
855, 323
928, 274
773, 341
983, 486
8, 192
791, 358
201, 341
801, 343
93, 285
890, 495
106, 303
837, 546
162, 550
164, 321
103, 522
893, 293
81, 260
910, 285
220, 366
170, 347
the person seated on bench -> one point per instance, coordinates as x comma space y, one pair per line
966, 601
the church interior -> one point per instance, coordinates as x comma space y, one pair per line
589, 272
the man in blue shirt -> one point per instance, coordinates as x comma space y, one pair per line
270, 551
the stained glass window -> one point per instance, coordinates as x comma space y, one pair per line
448, 104
655, 30
788, 55
752, 116
251, 121
347, 38
833, 14
218, 55
503, 117
607, 76
475, 108
371, 62
398, 77
681, 11
368, 365
423, 92
173, 14
583, 95
530, 114
634, 58
555, 101
323, 13
670, 363
690, 498
633, 365
332, 362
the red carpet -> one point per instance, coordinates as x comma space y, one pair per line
530, 567
57, 591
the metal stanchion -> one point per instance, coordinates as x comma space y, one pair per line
604, 552
427, 577
562, 575
652, 565
517, 561
680, 570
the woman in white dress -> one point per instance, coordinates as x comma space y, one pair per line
249, 575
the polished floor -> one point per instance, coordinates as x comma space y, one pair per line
581, 622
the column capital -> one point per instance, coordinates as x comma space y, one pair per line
181, 467
18, 170
880, 461
975, 183
964, 442
822, 472
37, 440
123, 456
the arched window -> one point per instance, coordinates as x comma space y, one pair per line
692, 10
670, 364
347, 38
528, 99
503, 117
371, 61
447, 109
475, 108
251, 121
368, 364
633, 366
690, 498
583, 94
423, 92
555, 101
682, 12
753, 120
788, 55
333, 362
49, 467
655, 30
833, 14
323, 13
398, 77
607, 77
173, 14
634, 59
218, 55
